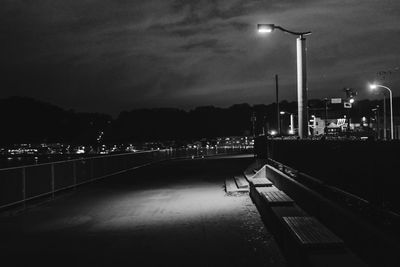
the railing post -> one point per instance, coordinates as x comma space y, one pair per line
24, 186
74, 173
52, 180
91, 169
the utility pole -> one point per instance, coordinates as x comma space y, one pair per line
326, 115
253, 120
265, 130
350, 93
278, 121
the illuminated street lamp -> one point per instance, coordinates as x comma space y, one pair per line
301, 74
265, 28
375, 86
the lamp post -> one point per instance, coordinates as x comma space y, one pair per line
277, 105
375, 86
384, 117
301, 74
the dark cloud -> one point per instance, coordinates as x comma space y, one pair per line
213, 45
109, 55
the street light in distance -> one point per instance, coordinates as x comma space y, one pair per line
375, 86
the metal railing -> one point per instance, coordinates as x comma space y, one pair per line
21, 184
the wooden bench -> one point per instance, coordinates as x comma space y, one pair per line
303, 236
262, 190
260, 182
310, 233
276, 198
275, 219
256, 195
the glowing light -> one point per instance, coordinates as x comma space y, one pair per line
265, 28
273, 132
373, 86
351, 100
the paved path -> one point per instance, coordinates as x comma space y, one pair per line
172, 214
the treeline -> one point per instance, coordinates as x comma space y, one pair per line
25, 120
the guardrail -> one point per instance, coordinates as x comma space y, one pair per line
21, 184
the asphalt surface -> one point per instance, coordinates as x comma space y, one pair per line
170, 214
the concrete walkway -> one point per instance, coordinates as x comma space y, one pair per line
171, 214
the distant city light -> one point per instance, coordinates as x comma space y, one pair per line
273, 132
351, 100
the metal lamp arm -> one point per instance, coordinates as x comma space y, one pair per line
292, 32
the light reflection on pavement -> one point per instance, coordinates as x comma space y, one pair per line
175, 214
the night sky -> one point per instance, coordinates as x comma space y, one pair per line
114, 55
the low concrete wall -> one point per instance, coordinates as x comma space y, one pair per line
363, 238
363, 168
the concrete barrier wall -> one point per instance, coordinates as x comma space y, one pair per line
364, 168
363, 238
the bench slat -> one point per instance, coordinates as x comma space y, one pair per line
258, 182
276, 198
261, 190
310, 232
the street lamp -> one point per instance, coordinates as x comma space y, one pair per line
265, 28
375, 86
301, 74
